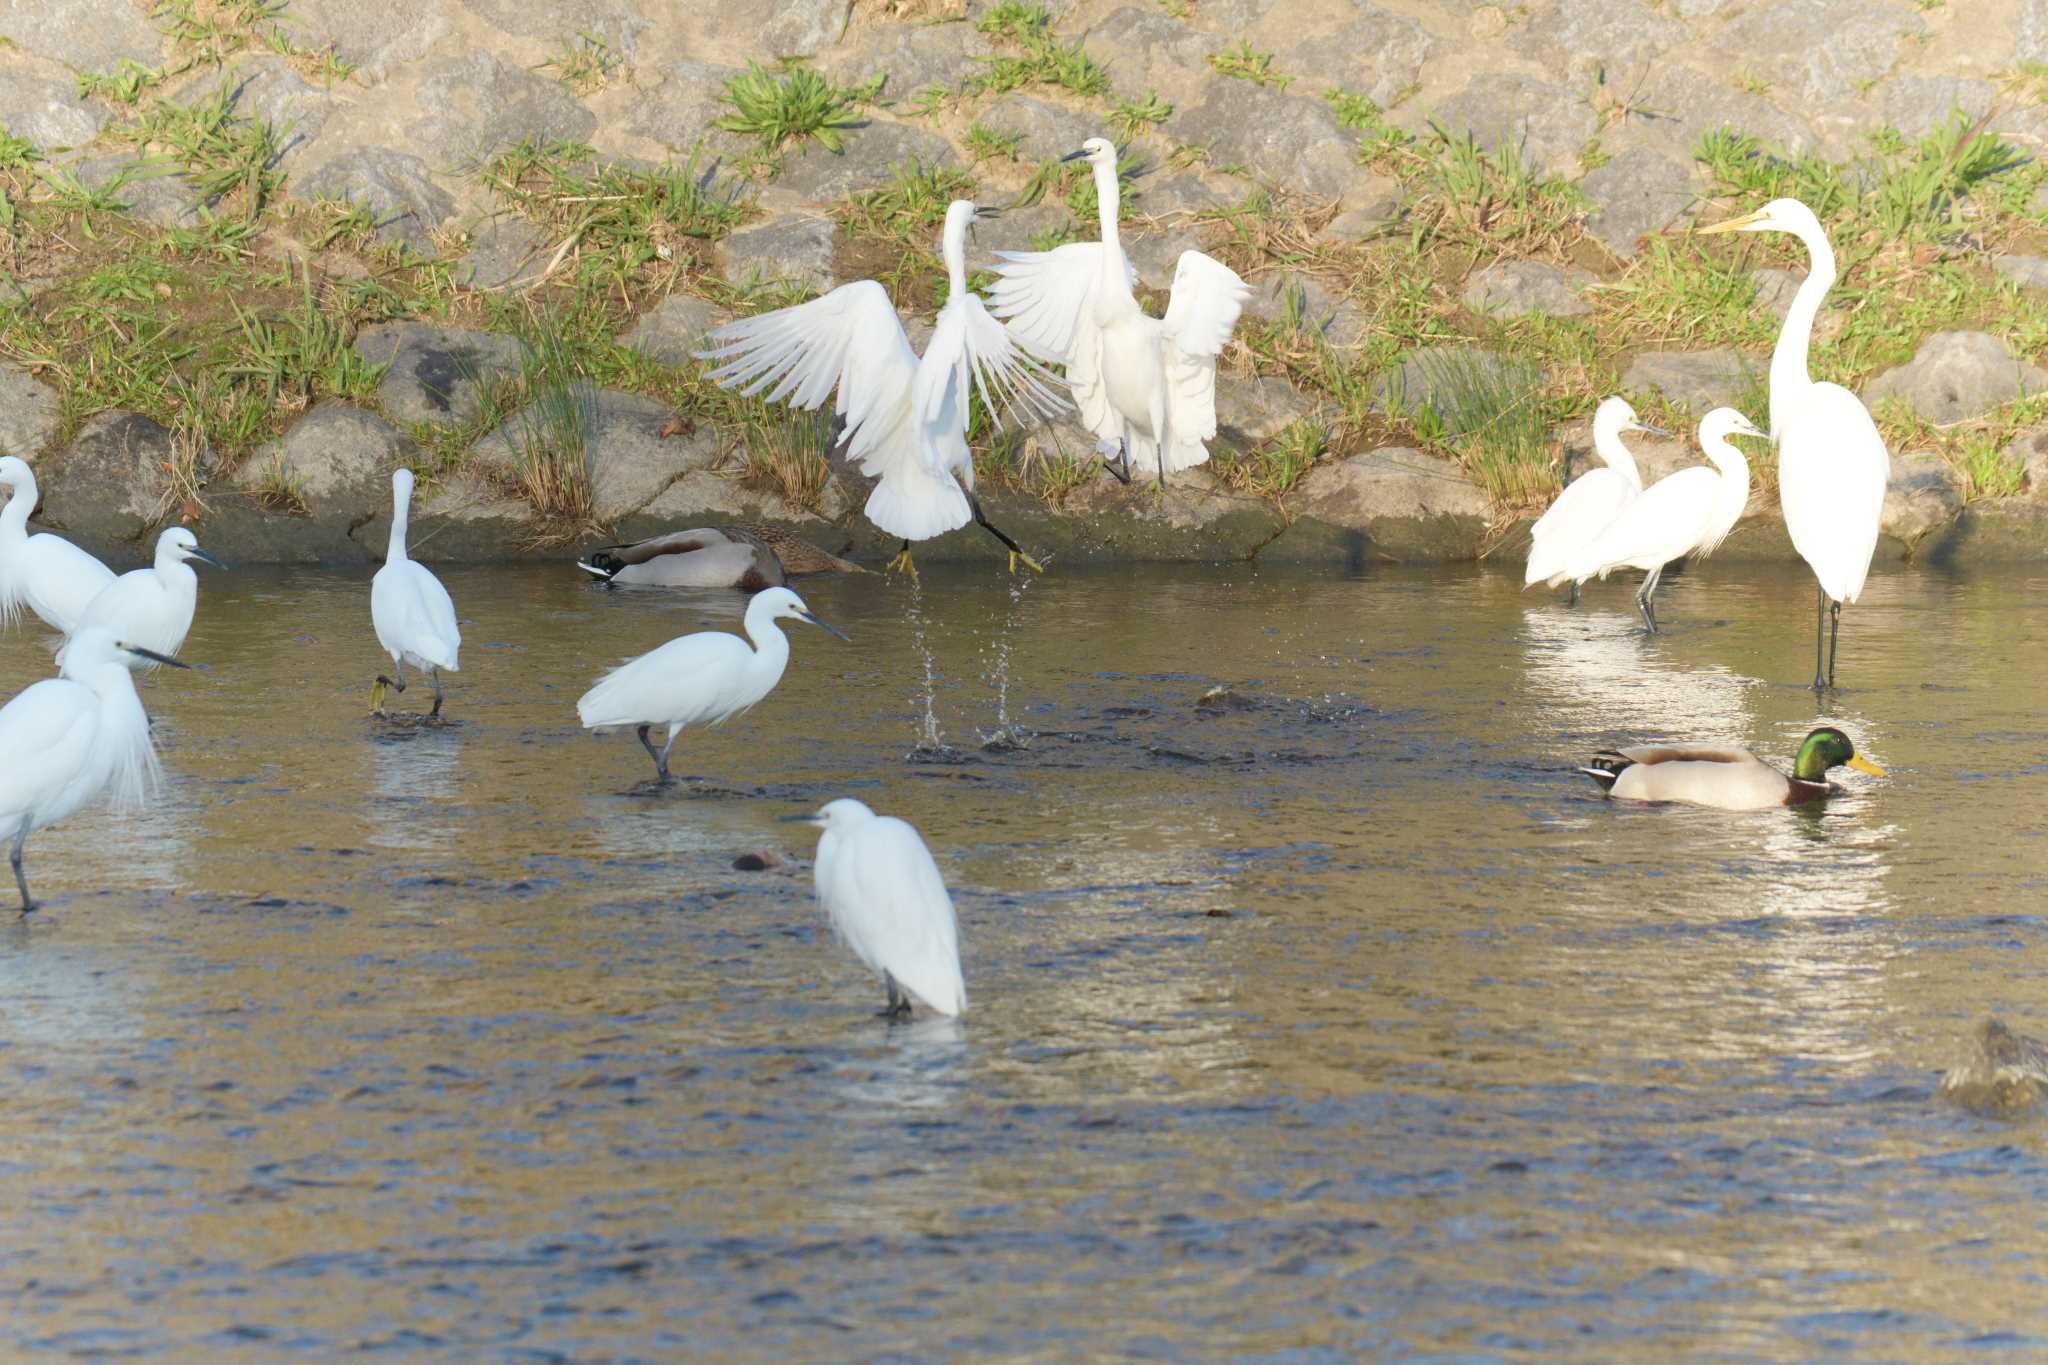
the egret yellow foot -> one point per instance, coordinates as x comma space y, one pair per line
1029, 562
377, 698
901, 563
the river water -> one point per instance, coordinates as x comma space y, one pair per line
1331, 1015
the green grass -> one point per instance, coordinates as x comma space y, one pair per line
1272, 468
1039, 58
912, 207
987, 144
125, 84
555, 425
220, 153
777, 108
1496, 201
1490, 413
1132, 117
585, 63
1243, 64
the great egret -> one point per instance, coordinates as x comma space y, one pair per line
1145, 386
887, 902
749, 558
66, 739
153, 607
413, 614
49, 575
906, 418
1832, 464
1728, 779
1688, 513
700, 679
1593, 500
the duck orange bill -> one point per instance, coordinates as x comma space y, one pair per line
1864, 765
1732, 225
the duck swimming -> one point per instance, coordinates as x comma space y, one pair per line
1724, 778
749, 558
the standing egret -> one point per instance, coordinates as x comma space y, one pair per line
54, 578
413, 614
701, 679
1688, 513
1144, 385
1832, 464
153, 607
66, 739
887, 902
906, 418
1593, 500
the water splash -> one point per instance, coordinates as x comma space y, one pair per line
929, 738
1006, 735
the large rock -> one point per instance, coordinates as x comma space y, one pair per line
1776, 288
139, 185
335, 461
434, 373
39, 101
267, 88
1149, 51
505, 252
1389, 504
87, 35
475, 104
1698, 380
1511, 289
1920, 499
1318, 310
911, 57
673, 329
1638, 193
1044, 130
1379, 55
1957, 375
1671, 107
1546, 125
375, 38
1291, 139
1917, 105
1822, 52
2028, 272
1588, 38
872, 157
2029, 450
681, 104
629, 460
28, 414
794, 246
616, 23
106, 489
394, 186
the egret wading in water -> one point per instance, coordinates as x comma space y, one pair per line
45, 573
413, 614
1832, 464
152, 607
1725, 778
888, 903
66, 739
1583, 510
1145, 386
1689, 513
701, 679
906, 417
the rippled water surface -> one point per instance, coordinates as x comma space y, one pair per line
1335, 1015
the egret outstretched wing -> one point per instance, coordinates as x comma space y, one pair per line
1009, 370
1203, 312
1043, 295
1832, 472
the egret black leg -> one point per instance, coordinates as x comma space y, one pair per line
899, 1003
660, 756
661, 760
1572, 599
1016, 550
1820, 612
1122, 469
1834, 635
1646, 597
20, 878
437, 694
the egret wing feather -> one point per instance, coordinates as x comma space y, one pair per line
46, 731
58, 580
1656, 528
1207, 298
1581, 513
1833, 469
1043, 296
414, 617
675, 684
887, 900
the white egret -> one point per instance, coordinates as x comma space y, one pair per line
1689, 513
413, 614
1145, 386
906, 417
1832, 464
1726, 778
749, 558
152, 607
1593, 500
701, 679
66, 739
48, 574
887, 902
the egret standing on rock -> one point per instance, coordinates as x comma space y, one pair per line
1594, 499
1832, 464
906, 418
1145, 386
48, 574
65, 740
701, 679
1689, 513
887, 902
413, 614
153, 607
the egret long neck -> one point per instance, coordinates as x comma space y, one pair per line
771, 648
953, 247
14, 516
401, 517
1607, 445
1790, 379
1106, 199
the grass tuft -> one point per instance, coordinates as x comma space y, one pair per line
778, 108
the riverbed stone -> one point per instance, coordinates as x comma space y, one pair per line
1957, 375
1639, 192
87, 35
1146, 50
1545, 124
336, 461
1292, 139
1390, 504
874, 152
1698, 380
28, 414
374, 38
474, 104
674, 328
504, 253
396, 187
792, 246
105, 489
433, 373
629, 460
1920, 499
2028, 272
1379, 55
1512, 289
39, 101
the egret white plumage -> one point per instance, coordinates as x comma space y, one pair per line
412, 612
700, 679
906, 417
1592, 500
1832, 463
152, 607
888, 903
1688, 513
45, 573
1145, 386
66, 739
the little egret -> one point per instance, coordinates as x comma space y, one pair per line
1593, 500
152, 607
749, 558
66, 739
906, 418
52, 577
1727, 779
1832, 464
887, 902
1689, 513
1144, 385
701, 679
413, 614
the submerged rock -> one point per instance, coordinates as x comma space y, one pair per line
2001, 1074
1957, 375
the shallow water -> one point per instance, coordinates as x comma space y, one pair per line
1333, 1016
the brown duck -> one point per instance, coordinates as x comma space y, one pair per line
749, 558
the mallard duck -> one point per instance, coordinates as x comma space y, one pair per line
1728, 779
749, 558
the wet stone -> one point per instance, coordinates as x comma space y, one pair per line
433, 372
1394, 503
